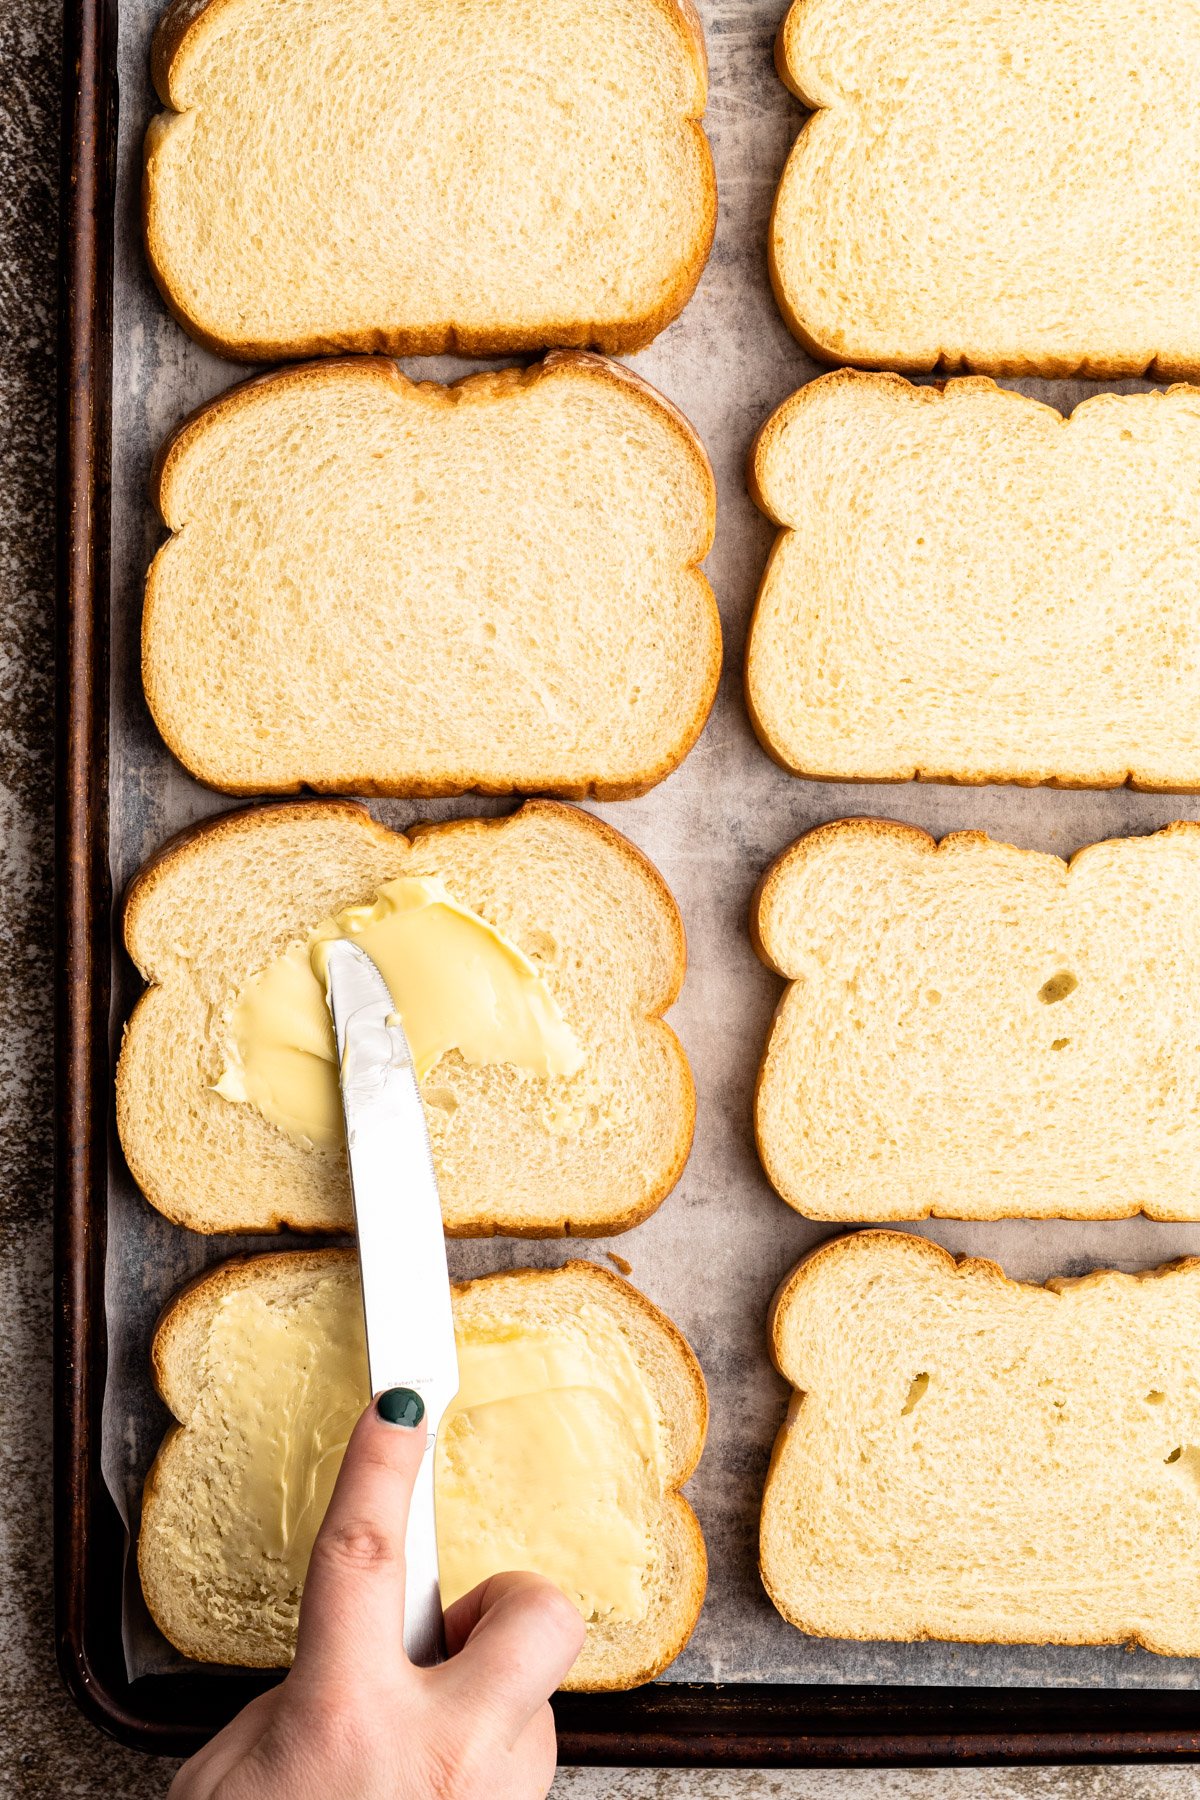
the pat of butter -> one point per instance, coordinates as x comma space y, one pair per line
457, 982
549, 1459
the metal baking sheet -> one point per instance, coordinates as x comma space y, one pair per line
714, 1252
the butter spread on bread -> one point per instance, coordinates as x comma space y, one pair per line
286, 1387
549, 1459
580, 1414
457, 984
515, 1152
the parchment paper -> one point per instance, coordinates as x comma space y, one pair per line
714, 1252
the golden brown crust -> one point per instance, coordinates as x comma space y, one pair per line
914, 837
175, 26
183, 18
190, 19
199, 1299
384, 370
770, 428
234, 399
785, 1294
811, 394
773, 878
230, 824
279, 814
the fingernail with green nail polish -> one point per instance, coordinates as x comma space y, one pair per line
401, 1406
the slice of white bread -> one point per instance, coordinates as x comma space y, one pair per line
209, 1578
970, 588
1003, 189
222, 900
978, 1032
977, 1459
387, 588
419, 176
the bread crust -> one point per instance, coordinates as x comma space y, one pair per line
866, 1243
358, 778
177, 850
772, 885
867, 383
190, 1312
182, 29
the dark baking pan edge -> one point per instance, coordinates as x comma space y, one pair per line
665, 1725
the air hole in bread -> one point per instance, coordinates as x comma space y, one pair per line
443, 1098
1155, 1398
933, 997
1058, 987
1060, 1043
1187, 1461
916, 1393
540, 946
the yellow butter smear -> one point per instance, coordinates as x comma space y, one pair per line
457, 983
284, 1389
548, 1460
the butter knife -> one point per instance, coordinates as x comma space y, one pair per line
401, 1248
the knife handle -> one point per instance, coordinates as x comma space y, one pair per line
424, 1632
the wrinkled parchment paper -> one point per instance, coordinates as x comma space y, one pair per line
714, 1252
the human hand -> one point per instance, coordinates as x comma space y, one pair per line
354, 1719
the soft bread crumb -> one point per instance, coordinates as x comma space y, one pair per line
970, 588
385, 588
972, 1459
427, 176
976, 1031
973, 191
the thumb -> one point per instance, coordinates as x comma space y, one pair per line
352, 1611
519, 1637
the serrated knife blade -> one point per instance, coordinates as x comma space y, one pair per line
401, 1247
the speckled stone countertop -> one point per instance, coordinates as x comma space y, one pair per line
46, 1749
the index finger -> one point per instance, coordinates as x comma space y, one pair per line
352, 1610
